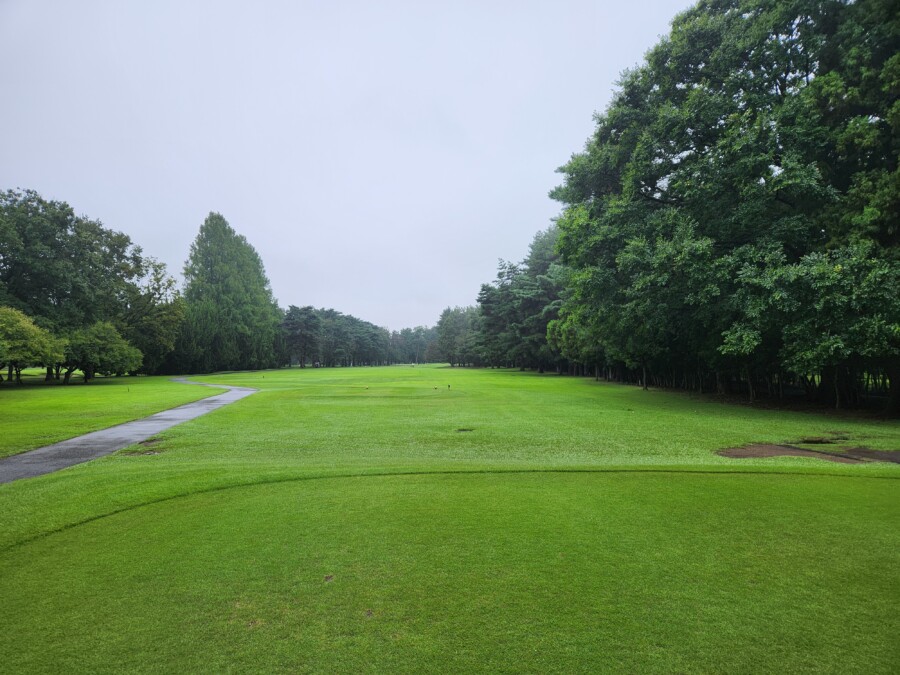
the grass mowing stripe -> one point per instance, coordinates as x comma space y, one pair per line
463, 472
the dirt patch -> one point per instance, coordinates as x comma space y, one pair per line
892, 456
846, 456
459, 431
765, 450
145, 447
831, 439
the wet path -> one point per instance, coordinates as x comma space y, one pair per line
106, 441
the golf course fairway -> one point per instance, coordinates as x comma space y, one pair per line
432, 519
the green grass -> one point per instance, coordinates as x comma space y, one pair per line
36, 414
339, 521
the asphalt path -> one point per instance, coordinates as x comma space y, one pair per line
106, 441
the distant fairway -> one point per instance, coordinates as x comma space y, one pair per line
377, 519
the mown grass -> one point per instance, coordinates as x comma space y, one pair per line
339, 520
35, 414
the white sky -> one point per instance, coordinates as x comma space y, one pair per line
380, 156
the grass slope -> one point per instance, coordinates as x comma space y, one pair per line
339, 520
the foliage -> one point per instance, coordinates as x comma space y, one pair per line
231, 318
411, 345
152, 315
23, 344
346, 340
518, 306
100, 349
67, 272
326, 337
63, 270
302, 328
457, 336
733, 217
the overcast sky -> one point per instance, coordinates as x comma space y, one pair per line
380, 156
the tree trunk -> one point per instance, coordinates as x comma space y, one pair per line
644, 369
893, 376
49, 376
837, 388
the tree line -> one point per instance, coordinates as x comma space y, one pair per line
76, 296
732, 223
731, 226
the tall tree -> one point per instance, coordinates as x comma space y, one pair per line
518, 306
457, 333
303, 332
409, 345
152, 315
23, 344
63, 270
231, 318
755, 147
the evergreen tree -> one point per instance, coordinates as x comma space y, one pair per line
303, 332
457, 336
231, 318
732, 218
518, 306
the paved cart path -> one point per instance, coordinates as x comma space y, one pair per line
106, 441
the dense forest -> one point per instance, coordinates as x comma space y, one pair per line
731, 226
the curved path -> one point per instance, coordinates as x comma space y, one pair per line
106, 441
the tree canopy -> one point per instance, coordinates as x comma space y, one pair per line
24, 344
65, 271
231, 318
518, 306
733, 219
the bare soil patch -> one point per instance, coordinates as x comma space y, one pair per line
145, 447
892, 456
846, 456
